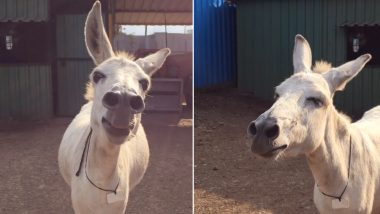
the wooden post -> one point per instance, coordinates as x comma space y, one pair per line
166, 34
111, 22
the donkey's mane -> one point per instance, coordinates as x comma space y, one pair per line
89, 95
322, 67
124, 54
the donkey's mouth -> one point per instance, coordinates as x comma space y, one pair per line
274, 151
119, 132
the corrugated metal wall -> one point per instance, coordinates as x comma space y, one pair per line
73, 64
25, 89
214, 43
266, 31
25, 92
24, 10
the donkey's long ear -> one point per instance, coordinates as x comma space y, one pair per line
301, 55
338, 77
97, 42
153, 62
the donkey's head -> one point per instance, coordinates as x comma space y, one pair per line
118, 84
296, 122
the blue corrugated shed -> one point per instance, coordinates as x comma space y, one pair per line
214, 43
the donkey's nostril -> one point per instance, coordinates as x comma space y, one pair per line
272, 132
136, 103
111, 99
252, 128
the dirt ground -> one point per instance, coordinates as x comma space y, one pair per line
31, 183
228, 178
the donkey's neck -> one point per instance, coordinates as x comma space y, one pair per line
329, 161
102, 162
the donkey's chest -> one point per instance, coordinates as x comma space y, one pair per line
354, 200
88, 198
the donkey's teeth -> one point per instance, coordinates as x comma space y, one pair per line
274, 151
114, 130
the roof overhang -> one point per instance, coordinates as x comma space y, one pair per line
152, 12
24, 11
360, 24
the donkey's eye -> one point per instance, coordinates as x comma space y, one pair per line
315, 101
276, 96
144, 84
97, 76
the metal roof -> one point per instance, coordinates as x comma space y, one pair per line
24, 11
153, 12
360, 24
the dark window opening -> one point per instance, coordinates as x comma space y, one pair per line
24, 42
362, 40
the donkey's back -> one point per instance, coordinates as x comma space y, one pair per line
370, 123
369, 126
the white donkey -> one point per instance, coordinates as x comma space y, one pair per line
104, 152
344, 157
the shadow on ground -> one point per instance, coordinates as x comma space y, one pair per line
31, 183
228, 178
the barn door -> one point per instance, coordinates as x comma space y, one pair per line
73, 64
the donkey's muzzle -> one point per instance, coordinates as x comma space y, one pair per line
268, 128
111, 100
264, 133
122, 108
122, 100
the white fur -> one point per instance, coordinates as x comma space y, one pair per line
323, 134
107, 162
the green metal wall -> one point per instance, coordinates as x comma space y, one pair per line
25, 92
73, 64
266, 30
24, 10
25, 89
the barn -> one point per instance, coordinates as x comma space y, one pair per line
44, 64
44, 67
232, 179
249, 44
337, 31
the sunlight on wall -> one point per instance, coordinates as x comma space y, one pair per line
139, 30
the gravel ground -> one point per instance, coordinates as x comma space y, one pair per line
31, 183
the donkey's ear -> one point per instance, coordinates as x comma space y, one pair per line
153, 62
301, 55
338, 77
97, 42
